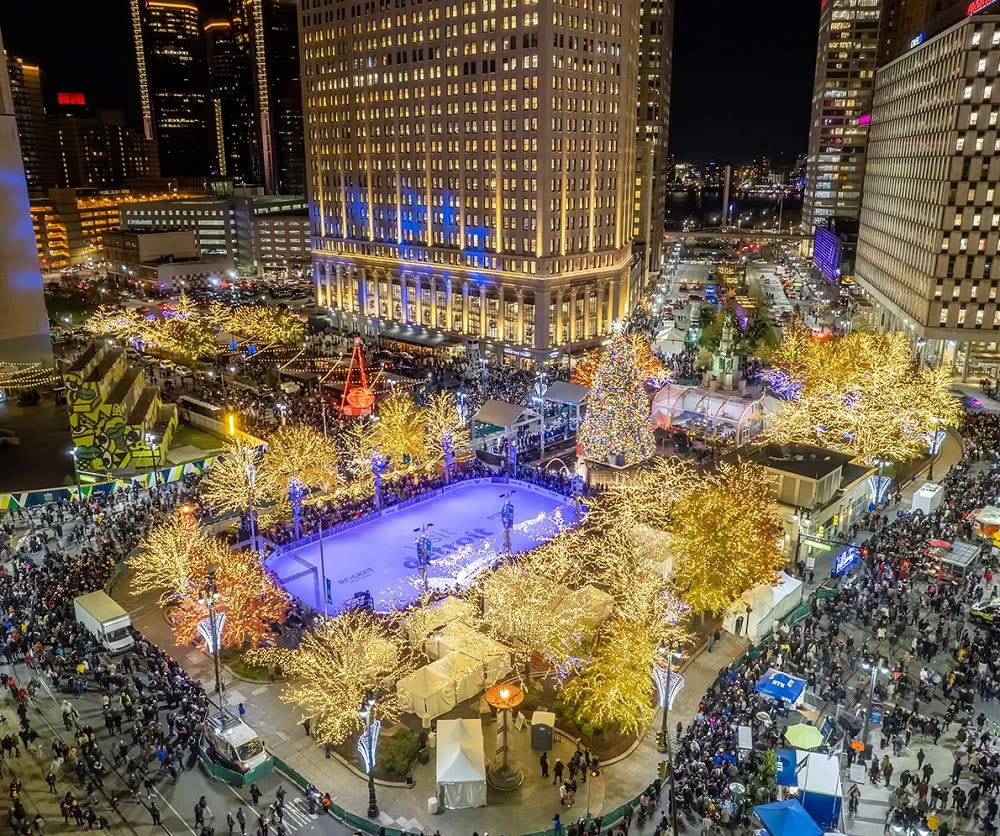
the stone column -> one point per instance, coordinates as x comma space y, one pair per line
404, 296
465, 307
501, 322
520, 315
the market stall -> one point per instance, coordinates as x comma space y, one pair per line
461, 764
756, 611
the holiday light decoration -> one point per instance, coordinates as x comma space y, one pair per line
234, 481
724, 537
863, 394
266, 325
334, 668
299, 452
447, 436
652, 372
617, 424
399, 431
250, 599
170, 556
18, 376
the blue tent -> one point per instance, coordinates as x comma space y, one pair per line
787, 768
786, 818
781, 686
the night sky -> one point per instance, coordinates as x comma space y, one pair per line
743, 71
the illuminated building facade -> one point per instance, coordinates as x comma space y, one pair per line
29, 108
929, 241
652, 162
471, 168
846, 59
173, 84
236, 143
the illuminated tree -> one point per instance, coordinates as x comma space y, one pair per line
725, 538
617, 422
863, 394
333, 668
170, 556
447, 435
298, 458
399, 431
651, 369
266, 325
614, 687
249, 595
115, 322
235, 482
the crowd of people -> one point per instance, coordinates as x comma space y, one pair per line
902, 620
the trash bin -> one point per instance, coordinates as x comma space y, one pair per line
542, 730
432, 805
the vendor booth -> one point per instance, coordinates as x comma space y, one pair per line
820, 790
498, 423
461, 764
756, 611
425, 620
460, 638
437, 688
786, 818
781, 686
986, 522
562, 406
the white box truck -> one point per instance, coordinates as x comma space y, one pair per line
105, 620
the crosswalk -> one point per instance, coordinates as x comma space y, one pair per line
297, 815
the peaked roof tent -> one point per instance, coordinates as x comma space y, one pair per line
571, 394
505, 415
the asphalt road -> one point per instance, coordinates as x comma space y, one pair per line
176, 802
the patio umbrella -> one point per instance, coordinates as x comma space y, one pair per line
803, 736
939, 544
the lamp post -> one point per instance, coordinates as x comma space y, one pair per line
74, 451
664, 682
367, 745
504, 775
507, 519
423, 544
296, 494
209, 599
935, 439
379, 465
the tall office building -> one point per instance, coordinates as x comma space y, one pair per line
173, 84
94, 148
471, 168
32, 130
272, 29
930, 220
24, 322
846, 59
237, 146
652, 169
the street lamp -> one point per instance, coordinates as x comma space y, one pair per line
367, 745
423, 544
505, 775
664, 686
507, 519
209, 599
74, 451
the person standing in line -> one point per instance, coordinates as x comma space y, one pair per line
543, 761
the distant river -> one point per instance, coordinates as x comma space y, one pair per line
701, 207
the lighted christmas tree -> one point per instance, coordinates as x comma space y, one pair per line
617, 422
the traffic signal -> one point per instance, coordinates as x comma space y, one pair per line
661, 769
821, 532
661, 740
836, 520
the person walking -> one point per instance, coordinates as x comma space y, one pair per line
50, 779
230, 822
154, 811
543, 762
242, 819
557, 772
255, 793
199, 813
921, 755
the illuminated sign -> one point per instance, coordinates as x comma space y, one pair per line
844, 561
864, 118
918, 40
827, 253
978, 6
71, 99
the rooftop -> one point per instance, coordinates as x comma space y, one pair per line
800, 459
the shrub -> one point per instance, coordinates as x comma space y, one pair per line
398, 751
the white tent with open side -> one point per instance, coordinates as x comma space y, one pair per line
461, 764
427, 692
756, 611
460, 638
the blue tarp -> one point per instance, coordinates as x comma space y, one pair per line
787, 763
786, 818
781, 686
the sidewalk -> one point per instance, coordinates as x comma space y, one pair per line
527, 809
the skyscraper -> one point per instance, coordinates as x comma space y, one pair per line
29, 108
471, 168
846, 59
237, 145
24, 322
929, 238
272, 27
173, 84
652, 170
